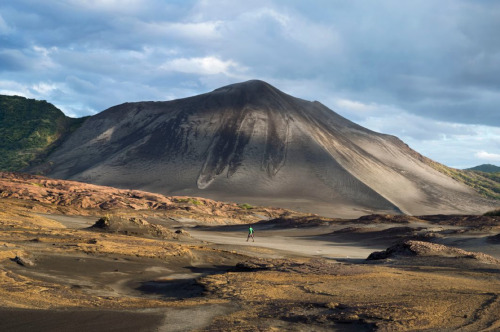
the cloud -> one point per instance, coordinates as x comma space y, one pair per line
112, 6
294, 28
426, 73
4, 27
492, 157
13, 88
459, 149
44, 88
203, 66
191, 30
398, 122
355, 106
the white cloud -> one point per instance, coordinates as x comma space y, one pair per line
452, 144
353, 105
12, 88
282, 19
282, 28
194, 30
4, 27
75, 110
122, 6
409, 126
44, 59
44, 89
40, 90
494, 157
203, 66
168, 32
43, 51
313, 35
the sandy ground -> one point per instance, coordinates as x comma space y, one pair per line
356, 242
292, 278
291, 242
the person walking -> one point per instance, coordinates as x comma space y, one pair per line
250, 234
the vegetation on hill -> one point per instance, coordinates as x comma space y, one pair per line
486, 184
487, 168
29, 130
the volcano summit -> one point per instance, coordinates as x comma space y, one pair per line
250, 142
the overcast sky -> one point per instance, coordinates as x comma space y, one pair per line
426, 71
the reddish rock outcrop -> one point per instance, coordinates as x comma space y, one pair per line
79, 198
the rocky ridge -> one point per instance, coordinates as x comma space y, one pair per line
81, 198
426, 249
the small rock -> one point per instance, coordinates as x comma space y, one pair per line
181, 231
103, 222
138, 221
23, 261
331, 305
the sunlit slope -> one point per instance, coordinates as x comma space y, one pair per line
250, 142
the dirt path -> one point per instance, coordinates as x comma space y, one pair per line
293, 241
73, 222
289, 241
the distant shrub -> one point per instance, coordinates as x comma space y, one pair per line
195, 201
182, 200
189, 200
246, 206
494, 213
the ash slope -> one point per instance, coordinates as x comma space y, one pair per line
250, 142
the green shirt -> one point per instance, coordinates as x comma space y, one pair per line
250, 230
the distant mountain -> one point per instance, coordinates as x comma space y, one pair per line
487, 168
29, 130
250, 142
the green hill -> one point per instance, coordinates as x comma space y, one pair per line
486, 184
487, 168
29, 130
